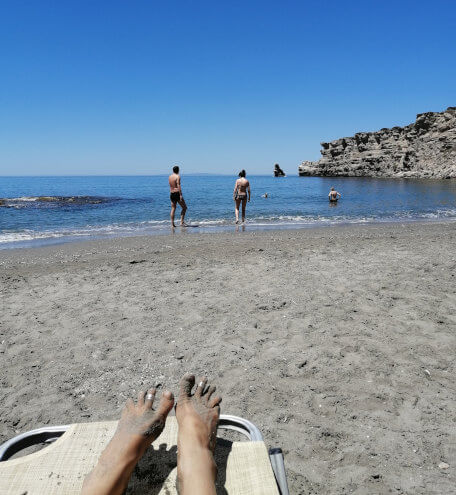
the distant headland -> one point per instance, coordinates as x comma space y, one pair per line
424, 149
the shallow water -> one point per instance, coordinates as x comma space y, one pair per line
42, 210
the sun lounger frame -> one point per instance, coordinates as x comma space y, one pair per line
49, 434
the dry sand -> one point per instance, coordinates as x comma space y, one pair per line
338, 343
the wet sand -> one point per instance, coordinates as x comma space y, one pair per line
339, 343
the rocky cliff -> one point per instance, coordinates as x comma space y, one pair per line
424, 149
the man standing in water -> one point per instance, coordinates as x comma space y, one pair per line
176, 196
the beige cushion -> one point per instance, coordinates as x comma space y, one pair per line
60, 468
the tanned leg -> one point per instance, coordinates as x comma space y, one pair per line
184, 209
236, 209
138, 427
173, 211
244, 204
197, 416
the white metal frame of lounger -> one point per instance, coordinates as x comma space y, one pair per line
49, 434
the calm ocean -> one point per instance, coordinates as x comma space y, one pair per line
42, 210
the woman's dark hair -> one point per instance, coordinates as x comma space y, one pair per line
176, 169
242, 173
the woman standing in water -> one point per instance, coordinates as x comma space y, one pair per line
241, 188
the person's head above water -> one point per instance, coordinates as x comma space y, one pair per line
332, 188
242, 173
176, 169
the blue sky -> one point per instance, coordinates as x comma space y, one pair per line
116, 87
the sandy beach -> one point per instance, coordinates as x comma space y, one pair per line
339, 343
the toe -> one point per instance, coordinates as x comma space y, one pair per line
141, 395
129, 404
201, 386
209, 393
166, 404
215, 401
186, 385
150, 397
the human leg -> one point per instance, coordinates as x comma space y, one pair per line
138, 427
197, 416
183, 211
244, 204
173, 211
236, 209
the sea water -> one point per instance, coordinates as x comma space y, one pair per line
42, 210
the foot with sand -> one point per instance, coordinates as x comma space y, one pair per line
138, 427
197, 416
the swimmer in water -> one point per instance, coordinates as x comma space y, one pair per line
333, 195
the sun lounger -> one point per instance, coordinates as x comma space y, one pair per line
245, 467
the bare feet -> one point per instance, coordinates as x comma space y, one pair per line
197, 416
139, 424
138, 427
199, 412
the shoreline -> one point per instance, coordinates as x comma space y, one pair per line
321, 337
90, 208
229, 229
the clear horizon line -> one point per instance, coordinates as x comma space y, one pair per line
134, 175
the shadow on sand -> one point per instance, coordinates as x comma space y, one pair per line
157, 465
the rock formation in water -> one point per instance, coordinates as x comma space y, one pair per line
278, 172
424, 149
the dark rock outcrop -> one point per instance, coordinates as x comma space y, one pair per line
278, 172
424, 149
